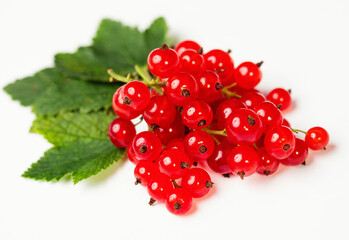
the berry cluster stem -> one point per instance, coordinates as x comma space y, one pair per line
223, 132
230, 94
297, 130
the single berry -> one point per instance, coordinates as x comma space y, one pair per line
199, 145
243, 161
197, 182
248, 75
218, 161
280, 142
121, 132
191, 61
285, 123
185, 45
299, 154
210, 86
146, 146
179, 201
131, 154
280, 97
267, 163
221, 63
317, 138
270, 115
123, 110
163, 62
197, 115
144, 171
136, 95
252, 99
175, 130
174, 163
244, 126
224, 110
177, 143
159, 187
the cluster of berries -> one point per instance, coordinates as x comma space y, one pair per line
200, 109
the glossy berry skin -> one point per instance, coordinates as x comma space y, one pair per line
248, 75
177, 143
197, 182
244, 126
144, 171
270, 115
121, 132
267, 163
175, 130
159, 187
136, 95
181, 89
218, 161
243, 161
280, 97
190, 61
163, 62
123, 110
225, 109
131, 154
160, 112
210, 87
179, 201
221, 63
174, 163
317, 138
285, 123
280, 142
252, 99
146, 146
199, 145
299, 154
185, 45
197, 115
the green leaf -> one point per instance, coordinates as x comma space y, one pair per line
115, 46
81, 158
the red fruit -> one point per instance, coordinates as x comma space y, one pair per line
177, 143
225, 109
175, 130
243, 161
179, 201
154, 93
131, 154
199, 145
248, 75
267, 163
252, 99
163, 62
174, 163
210, 87
123, 110
197, 182
136, 95
218, 161
270, 115
146, 146
185, 45
299, 154
317, 138
121, 132
280, 142
159, 187
191, 61
144, 171
197, 115
286, 123
280, 97
244, 126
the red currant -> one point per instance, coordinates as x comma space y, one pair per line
131, 154
174, 162
252, 99
280, 97
285, 123
197, 182
317, 138
199, 145
225, 109
123, 110
267, 163
248, 75
146, 146
121, 132
299, 154
144, 171
280, 142
197, 115
270, 115
218, 161
136, 95
243, 161
177, 143
163, 62
191, 61
159, 187
175, 130
210, 87
179, 201
185, 45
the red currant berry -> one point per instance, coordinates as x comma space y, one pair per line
299, 154
177, 143
131, 154
160, 112
221, 63
267, 163
123, 110
197, 182
146, 146
252, 99
243, 161
144, 171
174, 163
286, 123
218, 161
181, 89
280, 97
175, 130
191, 61
185, 45
244, 126
197, 115
280, 142
248, 75
136, 95
270, 115
210, 87
317, 138
179, 201
121, 132
163, 62
225, 109
159, 187
199, 145
154, 93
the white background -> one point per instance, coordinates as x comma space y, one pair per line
304, 45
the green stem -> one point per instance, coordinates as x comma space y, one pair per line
230, 94
144, 74
215, 139
140, 120
120, 78
231, 85
255, 146
297, 130
223, 132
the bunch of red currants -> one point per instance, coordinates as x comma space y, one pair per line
202, 111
